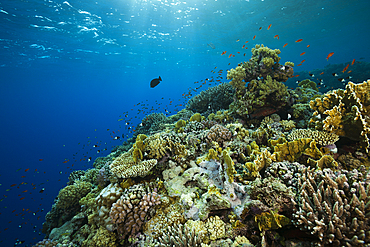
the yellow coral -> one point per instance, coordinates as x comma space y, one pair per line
196, 117
287, 124
230, 169
291, 151
262, 159
345, 112
103, 237
271, 221
237, 76
215, 227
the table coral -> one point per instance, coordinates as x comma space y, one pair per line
124, 166
335, 207
321, 137
345, 112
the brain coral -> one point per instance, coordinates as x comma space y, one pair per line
345, 112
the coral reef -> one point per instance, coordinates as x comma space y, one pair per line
242, 176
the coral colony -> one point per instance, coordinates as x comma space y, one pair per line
246, 163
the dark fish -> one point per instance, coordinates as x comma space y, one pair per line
155, 82
211, 45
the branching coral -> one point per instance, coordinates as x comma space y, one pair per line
334, 207
181, 236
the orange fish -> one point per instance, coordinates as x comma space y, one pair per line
345, 69
353, 62
349, 71
308, 46
24, 191
246, 41
329, 55
22, 198
230, 55
321, 73
299, 64
254, 37
268, 28
285, 45
276, 36
243, 46
298, 40
303, 53
296, 75
13, 185
65, 161
27, 169
41, 159
223, 53
303, 61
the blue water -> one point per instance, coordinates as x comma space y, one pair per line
70, 69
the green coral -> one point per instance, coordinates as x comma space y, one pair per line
308, 84
196, 117
179, 126
70, 195
102, 237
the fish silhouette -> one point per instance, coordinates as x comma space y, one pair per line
155, 82
211, 45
